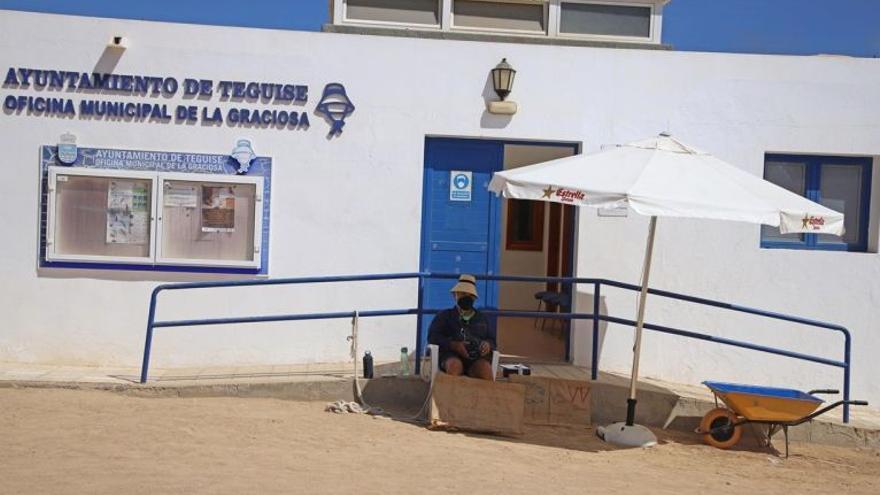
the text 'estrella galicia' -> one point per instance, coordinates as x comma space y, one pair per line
336, 105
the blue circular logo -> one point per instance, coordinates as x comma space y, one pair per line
461, 181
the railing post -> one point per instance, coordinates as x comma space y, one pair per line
846, 359
145, 364
419, 308
594, 364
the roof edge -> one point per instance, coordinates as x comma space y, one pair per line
492, 38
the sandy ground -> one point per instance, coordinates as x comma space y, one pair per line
73, 441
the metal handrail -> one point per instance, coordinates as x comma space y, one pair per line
420, 311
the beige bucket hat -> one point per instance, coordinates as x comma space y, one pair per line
467, 284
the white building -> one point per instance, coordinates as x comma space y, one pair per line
86, 243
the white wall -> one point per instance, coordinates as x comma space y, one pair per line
352, 204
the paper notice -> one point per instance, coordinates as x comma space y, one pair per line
181, 195
128, 217
218, 209
138, 230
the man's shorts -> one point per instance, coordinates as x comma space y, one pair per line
444, 355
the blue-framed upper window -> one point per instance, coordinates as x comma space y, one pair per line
841, 183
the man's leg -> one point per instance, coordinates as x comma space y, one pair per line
453, 366
481, 368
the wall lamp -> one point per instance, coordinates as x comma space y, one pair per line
502, 81
118, 43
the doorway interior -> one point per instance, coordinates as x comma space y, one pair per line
537, 240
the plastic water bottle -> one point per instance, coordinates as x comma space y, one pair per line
404, 362
368, 365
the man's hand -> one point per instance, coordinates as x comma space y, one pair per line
459, 348
485, 348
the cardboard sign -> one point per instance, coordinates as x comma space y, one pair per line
554, 401
472, 404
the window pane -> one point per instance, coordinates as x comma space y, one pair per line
208, 220
525, 225
616, 20
523, 221
841, 190
405, 11
498, 15
791, 176
102, 216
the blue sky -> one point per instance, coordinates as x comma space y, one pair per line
803, 27
848, 27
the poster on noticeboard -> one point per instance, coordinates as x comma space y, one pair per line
128, 217
183, 195
218, 209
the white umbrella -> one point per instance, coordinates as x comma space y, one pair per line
663, 177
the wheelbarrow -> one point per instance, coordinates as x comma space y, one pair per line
778, 408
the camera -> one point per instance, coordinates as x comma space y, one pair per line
472, 345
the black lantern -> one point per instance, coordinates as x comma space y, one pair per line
502, 79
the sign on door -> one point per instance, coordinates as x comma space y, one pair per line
460, 185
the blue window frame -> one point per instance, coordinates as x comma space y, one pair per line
841, 183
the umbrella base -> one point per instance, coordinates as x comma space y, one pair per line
627, 436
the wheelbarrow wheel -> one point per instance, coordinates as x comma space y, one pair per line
718, 428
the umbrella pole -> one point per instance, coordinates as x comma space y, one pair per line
640, 321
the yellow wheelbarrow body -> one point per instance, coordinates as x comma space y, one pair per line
756, 407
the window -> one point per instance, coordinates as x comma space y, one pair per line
425, 12
493, 15
111, 216
600, 19
525, 225
840, 183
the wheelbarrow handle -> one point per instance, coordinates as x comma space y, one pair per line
824, 410
830, 391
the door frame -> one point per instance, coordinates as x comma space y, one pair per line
490, 299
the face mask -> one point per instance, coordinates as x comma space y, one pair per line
466, 303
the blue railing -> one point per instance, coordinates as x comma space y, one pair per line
569, 282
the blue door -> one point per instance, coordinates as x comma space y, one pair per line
459, 236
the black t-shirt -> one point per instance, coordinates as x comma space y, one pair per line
448, 326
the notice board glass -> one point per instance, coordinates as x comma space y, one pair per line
214, 222
100, 216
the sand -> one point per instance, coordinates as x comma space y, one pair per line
76, 441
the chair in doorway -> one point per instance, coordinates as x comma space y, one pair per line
551, 299
432, 353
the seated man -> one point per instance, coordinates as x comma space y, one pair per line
466, 342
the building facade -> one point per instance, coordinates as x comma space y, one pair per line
205, 153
